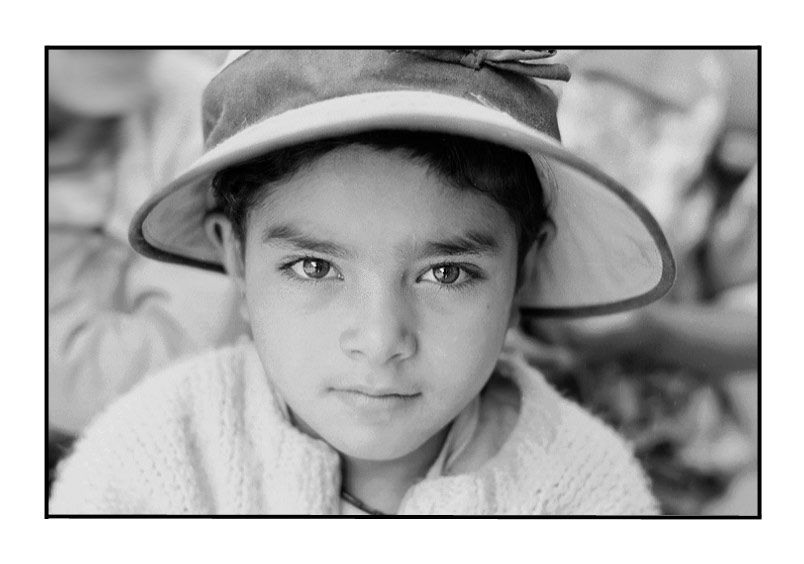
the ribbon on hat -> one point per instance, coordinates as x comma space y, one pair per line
513, 60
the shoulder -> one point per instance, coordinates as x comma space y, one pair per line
144, 452
578, 464
603, 476
182, 384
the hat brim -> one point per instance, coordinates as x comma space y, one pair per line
608, 253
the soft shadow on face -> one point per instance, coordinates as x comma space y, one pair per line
379, 298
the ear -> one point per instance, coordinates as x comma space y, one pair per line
221, 233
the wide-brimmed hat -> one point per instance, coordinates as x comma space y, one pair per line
607, 253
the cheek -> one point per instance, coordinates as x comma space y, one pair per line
288, 331
466, 343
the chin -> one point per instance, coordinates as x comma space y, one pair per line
373, 446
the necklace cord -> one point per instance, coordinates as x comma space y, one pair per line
360, 505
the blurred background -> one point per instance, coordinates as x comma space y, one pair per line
678, 379
120, 125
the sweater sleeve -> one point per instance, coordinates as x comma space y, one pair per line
137, 457
603, 476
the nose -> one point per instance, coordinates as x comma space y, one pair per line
380, 329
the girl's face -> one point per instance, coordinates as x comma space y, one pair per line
379, 297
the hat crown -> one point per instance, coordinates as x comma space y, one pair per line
261, 84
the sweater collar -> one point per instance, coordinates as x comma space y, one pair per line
476, 492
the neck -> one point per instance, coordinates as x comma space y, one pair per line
381, 484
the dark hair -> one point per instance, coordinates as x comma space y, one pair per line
505, 175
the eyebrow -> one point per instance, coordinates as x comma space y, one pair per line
285, 235
472, 242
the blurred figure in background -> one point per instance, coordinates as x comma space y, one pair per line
121, 123
677, 378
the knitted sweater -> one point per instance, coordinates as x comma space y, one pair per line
208, 436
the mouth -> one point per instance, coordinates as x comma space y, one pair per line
368, 399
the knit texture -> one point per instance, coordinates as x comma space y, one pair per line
208, 436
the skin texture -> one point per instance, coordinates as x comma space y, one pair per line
383, 319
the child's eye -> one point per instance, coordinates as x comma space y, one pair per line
314, 269
446, 275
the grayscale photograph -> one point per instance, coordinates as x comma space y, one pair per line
386, 282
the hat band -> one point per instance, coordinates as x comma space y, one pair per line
512, 60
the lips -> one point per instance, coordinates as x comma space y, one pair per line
375, 392
375, 400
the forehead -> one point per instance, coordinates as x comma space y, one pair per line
357, 194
